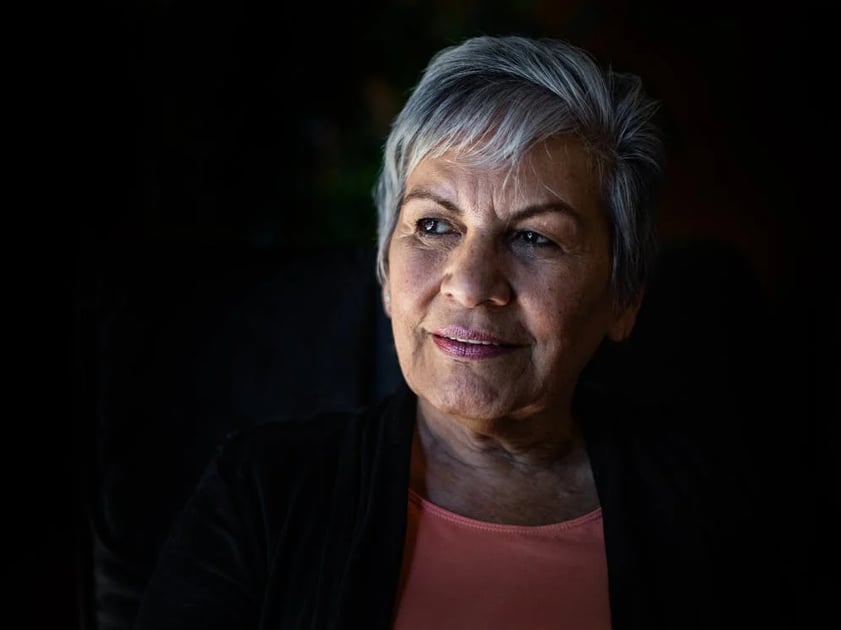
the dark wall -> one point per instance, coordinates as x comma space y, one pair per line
221, 131
238, 123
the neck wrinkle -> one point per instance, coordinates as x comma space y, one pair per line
450, 441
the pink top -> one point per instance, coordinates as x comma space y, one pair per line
459, 573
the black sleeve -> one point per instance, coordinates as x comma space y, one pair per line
211, 570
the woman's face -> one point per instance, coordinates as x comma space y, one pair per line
498, 287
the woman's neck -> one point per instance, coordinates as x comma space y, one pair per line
528, 474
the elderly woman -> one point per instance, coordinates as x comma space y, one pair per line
516, 233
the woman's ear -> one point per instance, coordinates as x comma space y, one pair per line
386, 298
624, 320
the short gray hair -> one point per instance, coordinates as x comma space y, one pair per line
496, 97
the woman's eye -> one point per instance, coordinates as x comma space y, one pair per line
532, 238
434, 227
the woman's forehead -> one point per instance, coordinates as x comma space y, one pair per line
558, 167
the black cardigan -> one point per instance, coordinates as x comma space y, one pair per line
302, 525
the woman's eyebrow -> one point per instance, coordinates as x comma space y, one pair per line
549, 207
525, 213
422, 193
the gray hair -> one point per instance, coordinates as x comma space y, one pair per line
494, 98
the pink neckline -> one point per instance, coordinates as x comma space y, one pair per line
542, 530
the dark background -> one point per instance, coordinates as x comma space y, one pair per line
224, 131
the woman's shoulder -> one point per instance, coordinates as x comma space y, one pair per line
659, 423
281, 442
675, 439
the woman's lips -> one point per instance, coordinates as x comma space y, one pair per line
463, 343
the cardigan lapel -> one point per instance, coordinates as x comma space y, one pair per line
368, 588
627, 578
657, 543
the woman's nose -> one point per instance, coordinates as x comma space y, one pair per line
476, 274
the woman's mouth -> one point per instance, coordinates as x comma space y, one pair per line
463, 343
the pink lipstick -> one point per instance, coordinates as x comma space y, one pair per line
463, 343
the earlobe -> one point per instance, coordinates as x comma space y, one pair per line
622, 325
386, 299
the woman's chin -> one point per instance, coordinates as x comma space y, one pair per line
469, 398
